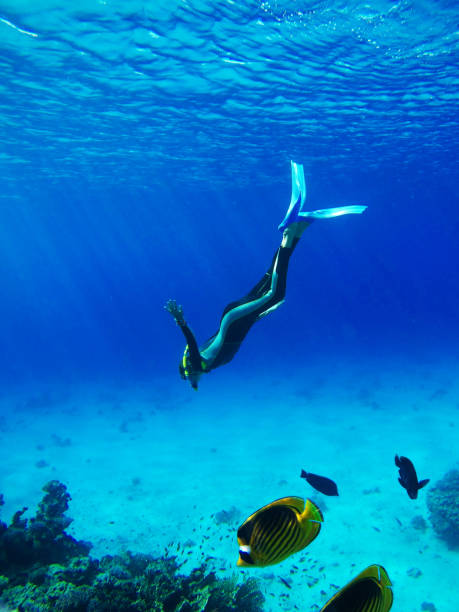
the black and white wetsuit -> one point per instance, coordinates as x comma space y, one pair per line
238, 317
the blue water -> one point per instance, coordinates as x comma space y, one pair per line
145, 154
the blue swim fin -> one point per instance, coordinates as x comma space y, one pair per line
295, 210
328, 213
298, 196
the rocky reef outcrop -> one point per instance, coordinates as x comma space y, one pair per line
443, 505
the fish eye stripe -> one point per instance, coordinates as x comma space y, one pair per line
245, 556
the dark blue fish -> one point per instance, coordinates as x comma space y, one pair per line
320, 483
408, 477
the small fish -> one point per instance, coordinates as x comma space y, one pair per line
408, 477
320, 483
370, 591
287, 584
278, 530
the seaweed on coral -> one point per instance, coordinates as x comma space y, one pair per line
54, 571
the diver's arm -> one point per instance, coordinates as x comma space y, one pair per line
195, 355
177, 312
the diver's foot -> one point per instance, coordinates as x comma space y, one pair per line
302, 225
294, 231
291, 218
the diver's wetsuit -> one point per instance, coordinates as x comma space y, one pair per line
238, 317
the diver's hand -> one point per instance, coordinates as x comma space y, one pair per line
176, 311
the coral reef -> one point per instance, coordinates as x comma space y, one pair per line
28, 544
443, 504
43, 568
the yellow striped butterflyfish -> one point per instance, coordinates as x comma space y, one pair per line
277, 531
370, 591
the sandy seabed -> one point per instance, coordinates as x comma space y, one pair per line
152, 466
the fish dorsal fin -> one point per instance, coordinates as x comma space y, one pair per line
294, 502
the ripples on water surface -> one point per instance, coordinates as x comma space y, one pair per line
119, 91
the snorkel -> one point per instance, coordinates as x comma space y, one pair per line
187, 372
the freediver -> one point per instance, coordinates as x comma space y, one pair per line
269, 293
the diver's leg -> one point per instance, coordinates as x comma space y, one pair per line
257, 291
278, 267
238, 317
295, 222
280, 260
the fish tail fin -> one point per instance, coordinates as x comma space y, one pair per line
311, 513
310, 520
383, 577
386, 588
423, 483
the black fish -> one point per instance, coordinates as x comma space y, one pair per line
408, 477
320, 483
